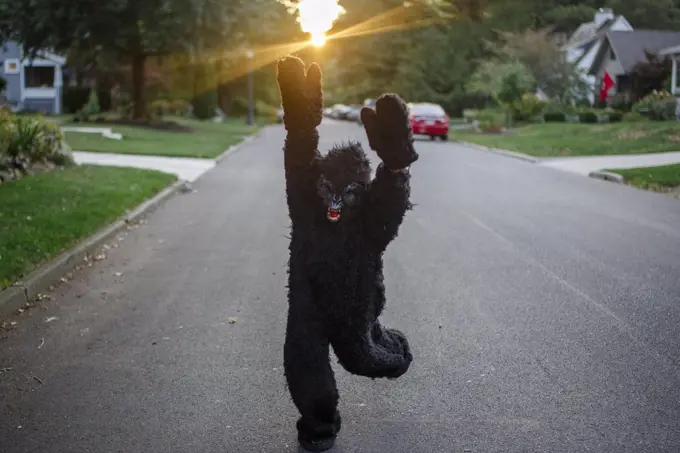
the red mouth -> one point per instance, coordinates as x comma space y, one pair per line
333, 214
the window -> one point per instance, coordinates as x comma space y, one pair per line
427, 110
12, 66
39, 76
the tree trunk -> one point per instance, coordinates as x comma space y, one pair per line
222, 90
138, 100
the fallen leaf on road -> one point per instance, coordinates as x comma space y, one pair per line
42, 342
118, 274
232, 320
51, 318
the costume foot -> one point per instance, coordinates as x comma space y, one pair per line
317, 445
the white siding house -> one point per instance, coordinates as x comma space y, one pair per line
584, 44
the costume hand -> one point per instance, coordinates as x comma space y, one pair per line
389, 131
301, 94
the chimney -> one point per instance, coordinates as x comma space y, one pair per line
602, 14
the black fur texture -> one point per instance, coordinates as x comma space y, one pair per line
335, 283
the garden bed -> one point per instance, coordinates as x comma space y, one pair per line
43, 214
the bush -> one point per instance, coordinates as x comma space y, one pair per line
90, 110
490, 120
657, 105
76, 98
615, 116
28, 141
633, 117
459, 102
528, 108
554, 117
160, 108
204, 105
179, 107
621, 102
588, 116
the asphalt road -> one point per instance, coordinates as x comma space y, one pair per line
543, 309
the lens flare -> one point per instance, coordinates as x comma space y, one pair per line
316, 17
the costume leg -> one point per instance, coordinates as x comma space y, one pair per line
310, 378
372, 351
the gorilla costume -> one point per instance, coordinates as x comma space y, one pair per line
342, 222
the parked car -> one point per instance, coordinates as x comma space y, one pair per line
370, 103
429, 119
336, 111
353, 113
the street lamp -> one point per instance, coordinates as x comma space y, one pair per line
251, 89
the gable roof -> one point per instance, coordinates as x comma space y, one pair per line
589, 33
630, 46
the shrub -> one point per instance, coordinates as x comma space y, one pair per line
160, 108
527, 108
204, 105
179, 107
75, 98
657, 105
26, 141
633, 117
490, 120
588, 116
554, 117
90, 110
615, 116
621, 102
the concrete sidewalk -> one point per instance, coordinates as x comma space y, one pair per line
188, 169
586, 165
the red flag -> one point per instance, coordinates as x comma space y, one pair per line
607, 84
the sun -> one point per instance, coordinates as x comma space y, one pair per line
316, 17
318, 40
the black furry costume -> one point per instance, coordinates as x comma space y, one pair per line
342, 223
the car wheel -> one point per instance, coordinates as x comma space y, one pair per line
444, 137
432, 137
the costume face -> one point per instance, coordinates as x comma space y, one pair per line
344, 178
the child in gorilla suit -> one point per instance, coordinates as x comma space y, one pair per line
342, 222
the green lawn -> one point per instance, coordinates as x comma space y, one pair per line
567, 139
43, 214
652, 178
208, 140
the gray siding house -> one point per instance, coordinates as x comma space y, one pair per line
32, 84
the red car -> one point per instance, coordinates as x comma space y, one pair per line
429, 119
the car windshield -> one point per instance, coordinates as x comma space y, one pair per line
427, 110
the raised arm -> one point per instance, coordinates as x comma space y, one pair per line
302, 100
389, 135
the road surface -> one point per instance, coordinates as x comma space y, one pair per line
543, 309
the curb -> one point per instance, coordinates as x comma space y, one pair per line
38, 281
234, 148
502, 152
606, 176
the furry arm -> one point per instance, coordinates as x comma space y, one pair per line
389, 131
387, 203
302, 100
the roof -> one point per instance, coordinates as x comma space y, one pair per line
670, 51
589, 33
630, 46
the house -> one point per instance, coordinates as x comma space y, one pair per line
621, 51
585, 42
674, 54
32, 84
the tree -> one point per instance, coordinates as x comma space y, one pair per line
548, 65
131, 31
505, 81
650, 75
